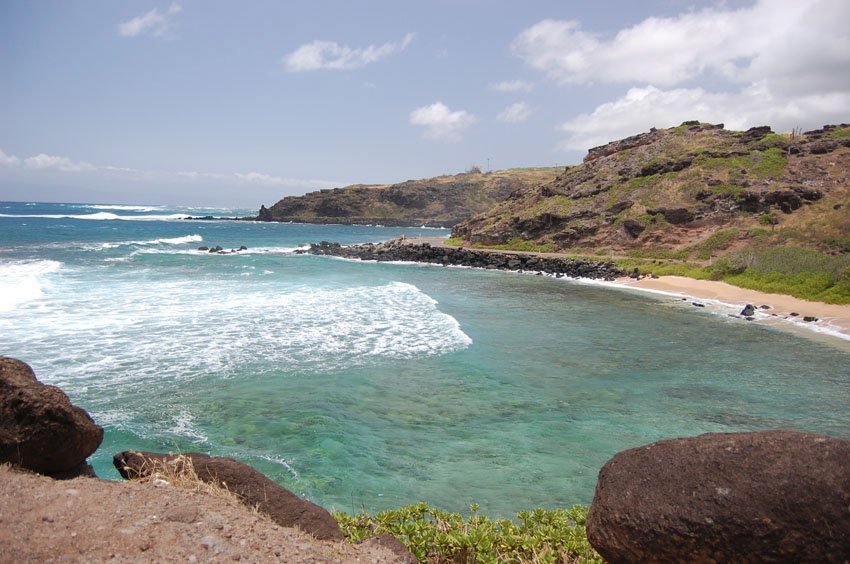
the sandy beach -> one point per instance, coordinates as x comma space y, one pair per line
832, 319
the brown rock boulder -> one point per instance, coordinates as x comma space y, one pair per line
252, 487
40, 429
777, 496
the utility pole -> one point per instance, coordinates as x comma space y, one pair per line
488, 164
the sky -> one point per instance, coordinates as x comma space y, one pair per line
237, 104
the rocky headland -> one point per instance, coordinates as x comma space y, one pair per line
672, 189
442, 201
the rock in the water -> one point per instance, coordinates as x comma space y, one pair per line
39, 427
252, 487
748, 311
809, 318
775, 496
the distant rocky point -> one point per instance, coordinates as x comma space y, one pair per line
442, 201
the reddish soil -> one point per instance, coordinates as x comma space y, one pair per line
92, 520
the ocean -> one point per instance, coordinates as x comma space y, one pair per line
374, 385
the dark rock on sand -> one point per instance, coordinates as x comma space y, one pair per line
809, 318
40, 429
776, 496
748, 311
252, 487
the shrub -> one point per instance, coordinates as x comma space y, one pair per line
433, 535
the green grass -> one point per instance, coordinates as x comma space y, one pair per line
795, 271
665, 268
454, 242
843, 133
717, 241
760, 164
772, 140
667, 254
726, 189
433, 535
518, 244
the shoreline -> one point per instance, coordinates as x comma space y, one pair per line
833, 320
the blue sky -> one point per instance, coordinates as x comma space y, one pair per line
241, 103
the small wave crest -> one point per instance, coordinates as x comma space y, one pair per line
121, 207
24, 281
167, 241
102, 216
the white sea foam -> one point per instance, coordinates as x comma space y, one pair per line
24, 281
183, 330
184, 426
278, 460
102, 216
121, 207
169, 241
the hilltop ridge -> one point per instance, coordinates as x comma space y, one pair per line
442, 201
673, 189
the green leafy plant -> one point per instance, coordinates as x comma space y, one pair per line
433, 535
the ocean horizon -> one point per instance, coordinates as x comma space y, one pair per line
375, 385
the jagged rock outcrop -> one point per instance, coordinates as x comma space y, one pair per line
397, 250
776, 496
251, 486
683, 185
40, 429
442, 201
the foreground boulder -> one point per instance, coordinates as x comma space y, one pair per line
40, 429
777, 496
251, 486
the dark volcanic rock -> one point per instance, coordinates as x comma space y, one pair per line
748, 311
776, 496
676, 216
255, 489
39, 427
423, 252
633, 228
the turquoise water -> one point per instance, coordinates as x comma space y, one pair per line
376, 385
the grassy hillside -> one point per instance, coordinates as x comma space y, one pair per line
762, 210
440, 201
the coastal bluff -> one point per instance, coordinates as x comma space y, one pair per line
410, 250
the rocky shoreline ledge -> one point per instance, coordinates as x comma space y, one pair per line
424, 252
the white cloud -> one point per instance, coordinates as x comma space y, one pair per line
642, 108
783, 63
515, 113
260, 178
513, 86
440, 122
152, 22
669, 51
43, 163
8, 160
63, 164
195, 176
331, 55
